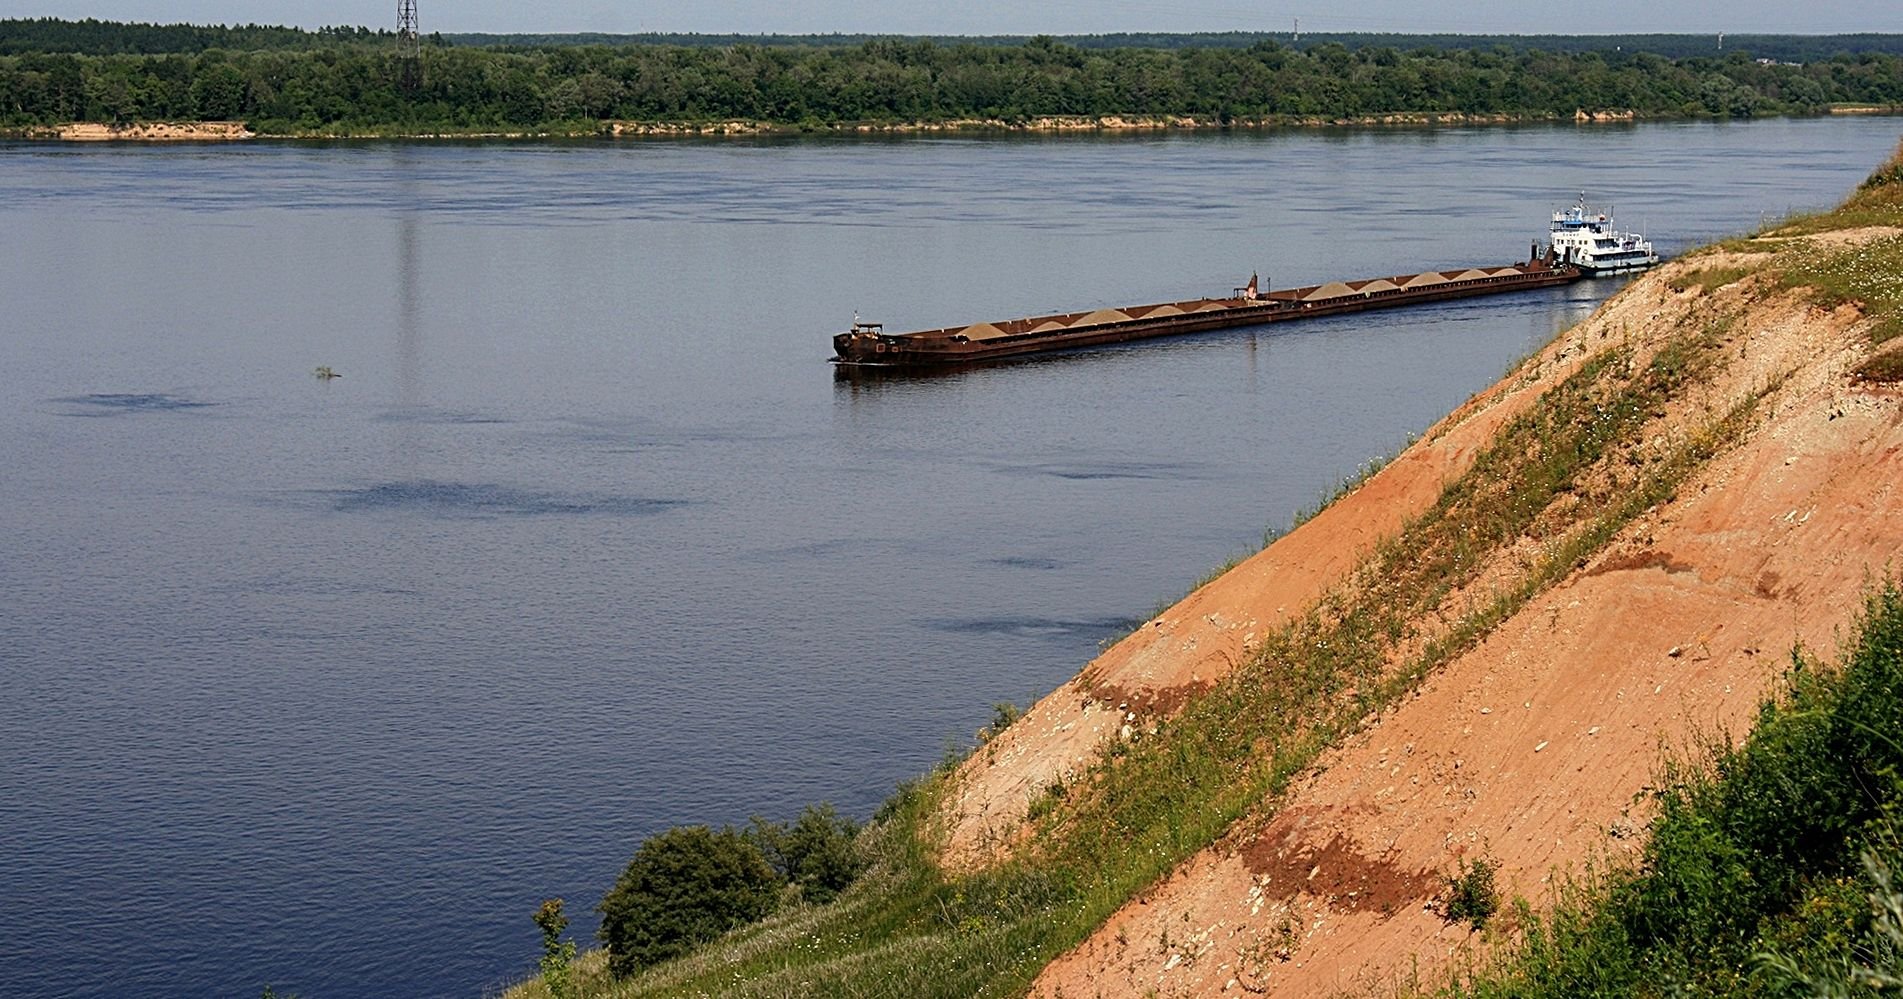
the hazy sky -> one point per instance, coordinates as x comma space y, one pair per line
1020, 17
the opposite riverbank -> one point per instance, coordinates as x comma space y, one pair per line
348, 84
229, 131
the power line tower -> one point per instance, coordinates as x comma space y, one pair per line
409, 48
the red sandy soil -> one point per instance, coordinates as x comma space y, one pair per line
1533, 749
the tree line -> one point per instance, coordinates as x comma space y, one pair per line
1779, 48
350, 86
95, 37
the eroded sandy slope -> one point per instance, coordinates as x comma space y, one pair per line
1534, 747
1201, 639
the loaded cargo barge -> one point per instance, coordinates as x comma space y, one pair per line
869, 344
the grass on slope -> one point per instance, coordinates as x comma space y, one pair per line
1868, 274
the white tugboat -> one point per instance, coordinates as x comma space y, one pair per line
1587, 240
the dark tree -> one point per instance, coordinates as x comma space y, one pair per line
818, 851
684, 887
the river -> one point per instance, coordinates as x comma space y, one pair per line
326, 684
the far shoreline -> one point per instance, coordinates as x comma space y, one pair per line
238, 131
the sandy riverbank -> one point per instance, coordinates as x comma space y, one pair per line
220, 131
152, 131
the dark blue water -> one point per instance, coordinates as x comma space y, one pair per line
326, 684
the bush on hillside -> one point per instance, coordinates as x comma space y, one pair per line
1882, 191
684, 887
1471, 896
818, 852
1885, 175
557, 954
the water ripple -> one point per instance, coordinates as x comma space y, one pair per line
465, 499
1030, 627
117, 403
1084, 472
284, 584
1025, 562
432, 415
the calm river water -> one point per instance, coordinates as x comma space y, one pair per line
326, 685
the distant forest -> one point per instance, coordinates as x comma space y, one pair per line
92, 37
344, 80
1782, 48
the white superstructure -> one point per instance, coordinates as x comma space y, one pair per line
1587, 240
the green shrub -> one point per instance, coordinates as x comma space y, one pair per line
1471, 896
556, 952
1003, 714
1887, 174
1852, 943
684, 887
818, 852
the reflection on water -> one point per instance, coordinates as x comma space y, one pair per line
408, 327
328, 684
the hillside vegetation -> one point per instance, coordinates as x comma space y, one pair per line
1617, 534
345, 81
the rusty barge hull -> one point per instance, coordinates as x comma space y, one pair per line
867, 345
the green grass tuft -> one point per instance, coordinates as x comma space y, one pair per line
1869, 275
1472, 897
1711, 279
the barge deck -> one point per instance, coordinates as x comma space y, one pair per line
869, 344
